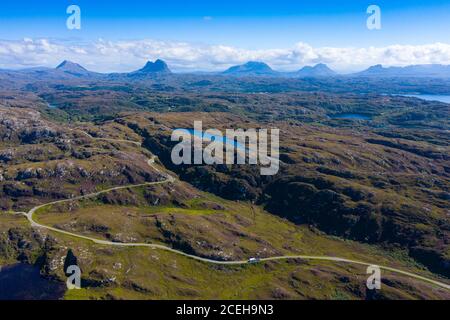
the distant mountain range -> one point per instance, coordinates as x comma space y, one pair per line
68, 69
423, 70
256, 68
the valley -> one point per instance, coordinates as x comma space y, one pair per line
348, 189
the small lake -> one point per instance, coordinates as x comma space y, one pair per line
211, 137
351, 116
24, 282
429, 97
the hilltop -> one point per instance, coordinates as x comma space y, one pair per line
251, 68
319, 70
157, 67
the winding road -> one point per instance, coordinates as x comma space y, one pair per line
171, 179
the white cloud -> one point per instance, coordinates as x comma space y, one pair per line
110, 56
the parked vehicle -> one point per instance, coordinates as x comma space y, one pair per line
254, 260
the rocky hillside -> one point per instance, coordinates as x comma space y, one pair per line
354, 184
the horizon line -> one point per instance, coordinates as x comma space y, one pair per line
337, 73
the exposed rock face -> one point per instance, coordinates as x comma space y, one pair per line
42, 161
20, 244
24, 125
344, 194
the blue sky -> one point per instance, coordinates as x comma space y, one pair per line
249, 25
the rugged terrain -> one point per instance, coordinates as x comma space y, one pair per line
370, 190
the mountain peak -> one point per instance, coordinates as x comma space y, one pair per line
72, 68
251, 68
159, 66
319, 70
376, 67
320, 65
256, 64
67, 65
